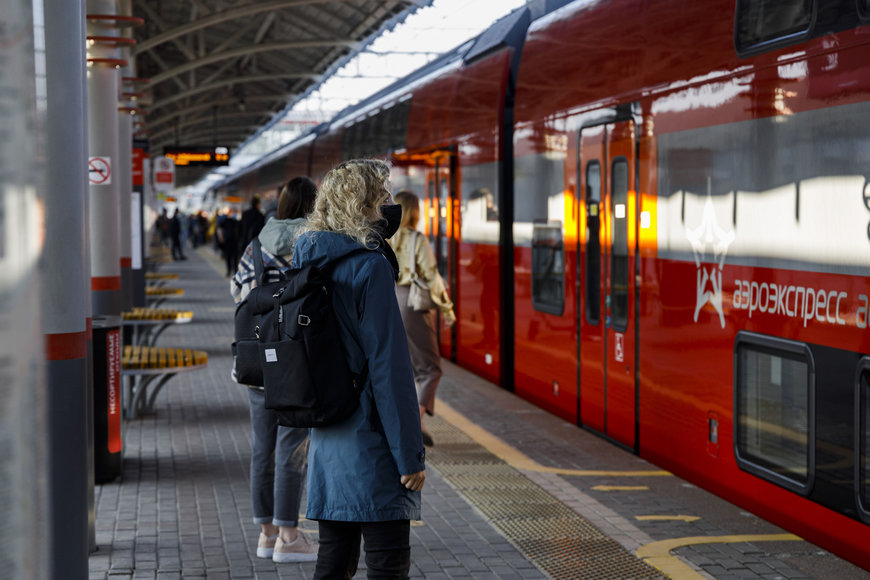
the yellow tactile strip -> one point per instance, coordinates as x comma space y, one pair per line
141, 313
526, 534
160, 291
152, 357
488, 443
158, 276
659, 553
551, 535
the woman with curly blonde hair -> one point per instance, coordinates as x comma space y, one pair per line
366, 472
350, 200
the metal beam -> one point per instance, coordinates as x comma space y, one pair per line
183, 112
240, 132
259, 114
229, 82
258, 38
211, 20
155, 17
235, 53
162, 64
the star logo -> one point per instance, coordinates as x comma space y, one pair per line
709, 279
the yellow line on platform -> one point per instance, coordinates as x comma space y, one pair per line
658, 554
667, 518
620, 488
517, 459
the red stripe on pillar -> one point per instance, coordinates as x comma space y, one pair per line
66, 345
89, 328
106, 283
126, 262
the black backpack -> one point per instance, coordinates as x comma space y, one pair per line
246, 347
306, 375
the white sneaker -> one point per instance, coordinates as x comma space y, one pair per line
299, 550
266, 545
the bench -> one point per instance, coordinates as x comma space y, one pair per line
148, 324
149, 368
157, 256
156, 295
157, 280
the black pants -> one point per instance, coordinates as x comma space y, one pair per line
177, 252
387, 545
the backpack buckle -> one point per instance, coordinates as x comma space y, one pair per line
303, 320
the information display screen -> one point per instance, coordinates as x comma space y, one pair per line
198, 155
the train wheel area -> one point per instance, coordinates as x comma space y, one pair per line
512, 491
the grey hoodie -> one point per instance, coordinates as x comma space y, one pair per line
279, 236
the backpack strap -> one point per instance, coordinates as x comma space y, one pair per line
327, 272
412, 266
284, 265
259, 269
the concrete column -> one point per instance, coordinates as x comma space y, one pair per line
66, 293
24, 470
88, 303
125, 186
105, 211
126, 110
140, 153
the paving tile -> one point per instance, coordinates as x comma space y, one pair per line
182, 508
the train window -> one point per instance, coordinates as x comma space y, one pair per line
766, 24
619, 245
773, 410
593, 243
864, 9
548, 268
862, 473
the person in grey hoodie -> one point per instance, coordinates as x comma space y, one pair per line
278, 454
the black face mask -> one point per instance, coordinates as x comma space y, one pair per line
389, 225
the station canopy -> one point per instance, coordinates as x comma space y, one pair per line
214, 72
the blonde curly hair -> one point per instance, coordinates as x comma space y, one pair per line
349, 199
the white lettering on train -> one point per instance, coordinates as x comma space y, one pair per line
808, 303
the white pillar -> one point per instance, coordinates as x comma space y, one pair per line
105, 211
24, 471
66, 303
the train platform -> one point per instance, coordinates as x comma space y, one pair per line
512, 492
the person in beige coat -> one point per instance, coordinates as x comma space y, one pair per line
420, 325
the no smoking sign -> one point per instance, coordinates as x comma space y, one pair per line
100, 170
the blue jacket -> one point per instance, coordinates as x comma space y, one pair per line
354, 466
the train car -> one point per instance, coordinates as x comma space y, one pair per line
447, 129
653, 219
695, 180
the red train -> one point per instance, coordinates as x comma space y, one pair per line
654, 218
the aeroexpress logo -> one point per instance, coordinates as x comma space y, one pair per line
709, 277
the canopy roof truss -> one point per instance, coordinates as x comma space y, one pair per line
220, 70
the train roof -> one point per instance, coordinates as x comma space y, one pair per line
507, 32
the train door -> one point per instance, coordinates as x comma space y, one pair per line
607, 317
440, 222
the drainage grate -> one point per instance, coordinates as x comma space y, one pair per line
550, 534
602, 559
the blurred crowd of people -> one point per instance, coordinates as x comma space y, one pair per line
227, 230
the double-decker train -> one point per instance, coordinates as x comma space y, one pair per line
654, 219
